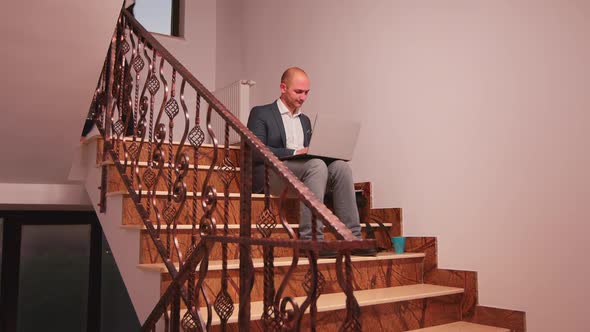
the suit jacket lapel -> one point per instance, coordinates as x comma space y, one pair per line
306, 126
277, 116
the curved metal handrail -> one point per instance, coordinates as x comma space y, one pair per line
113, 95
313, 203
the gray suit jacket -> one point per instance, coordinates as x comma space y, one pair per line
266, 123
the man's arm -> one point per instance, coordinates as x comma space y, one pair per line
259, 122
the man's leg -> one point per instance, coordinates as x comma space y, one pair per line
342, 186
314, 174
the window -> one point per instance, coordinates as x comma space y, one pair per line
159, 16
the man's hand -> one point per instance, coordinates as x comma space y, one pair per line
301, 151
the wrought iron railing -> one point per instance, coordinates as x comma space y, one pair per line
140, 109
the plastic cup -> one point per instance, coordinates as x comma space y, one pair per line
399, 244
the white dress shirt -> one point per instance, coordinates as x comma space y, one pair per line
293, 128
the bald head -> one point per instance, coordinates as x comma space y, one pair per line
290, 73
294, 88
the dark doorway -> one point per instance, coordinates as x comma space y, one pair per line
53, 265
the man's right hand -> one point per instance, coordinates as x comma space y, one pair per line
301, 151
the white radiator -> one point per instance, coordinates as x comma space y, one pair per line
236, 97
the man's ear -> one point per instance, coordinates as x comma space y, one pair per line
283, 87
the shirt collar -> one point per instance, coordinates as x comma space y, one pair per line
283, 109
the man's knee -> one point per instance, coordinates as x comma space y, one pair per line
340, 169
316, 168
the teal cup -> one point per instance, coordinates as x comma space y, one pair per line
399, 244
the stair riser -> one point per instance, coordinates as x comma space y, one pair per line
389, 317
115, 182
205, 153
131, 216
149, 254
367, 275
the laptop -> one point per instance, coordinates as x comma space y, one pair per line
333, 138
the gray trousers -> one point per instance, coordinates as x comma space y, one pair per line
319, 178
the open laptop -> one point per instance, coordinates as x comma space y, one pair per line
333, 138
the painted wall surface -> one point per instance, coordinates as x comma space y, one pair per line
23, 196
229, 65
52, 53
196, 49
476, 120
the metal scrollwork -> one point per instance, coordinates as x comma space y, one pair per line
138, 73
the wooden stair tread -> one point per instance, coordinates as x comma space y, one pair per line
162, 194
463, 327
145, 164
286, 261
130, 139
337, 301
232, 226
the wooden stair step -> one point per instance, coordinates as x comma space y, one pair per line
337, 301
166, 165
384, 270
233, 226
115, 182
234, 264
164, 194
131, 216
205, 151
463, 327
149, 253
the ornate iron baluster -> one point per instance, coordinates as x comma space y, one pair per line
314, 280
196, 138
353, 311
133, 149
224, 305
181, 163
266, 224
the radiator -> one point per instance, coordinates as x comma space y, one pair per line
236, 98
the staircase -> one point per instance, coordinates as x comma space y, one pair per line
198, 251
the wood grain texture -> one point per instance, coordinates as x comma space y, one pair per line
149, 253
388, 215
365, 201
513, 320
455, 278
367, 275
131, 216
115, 182
389, 317
205, 153
426, 245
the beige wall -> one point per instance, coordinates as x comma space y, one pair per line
196, 49
51, 56
229, 65
476, 120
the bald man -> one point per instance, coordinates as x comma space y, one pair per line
286, 131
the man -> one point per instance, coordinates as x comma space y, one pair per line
286, 131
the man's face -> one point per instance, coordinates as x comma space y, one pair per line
294, 92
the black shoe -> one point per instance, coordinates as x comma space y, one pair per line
328, 254
322, 254
365, 252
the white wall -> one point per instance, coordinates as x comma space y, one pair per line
196, 49
51, 54
22, 196
229, 65
475, 119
